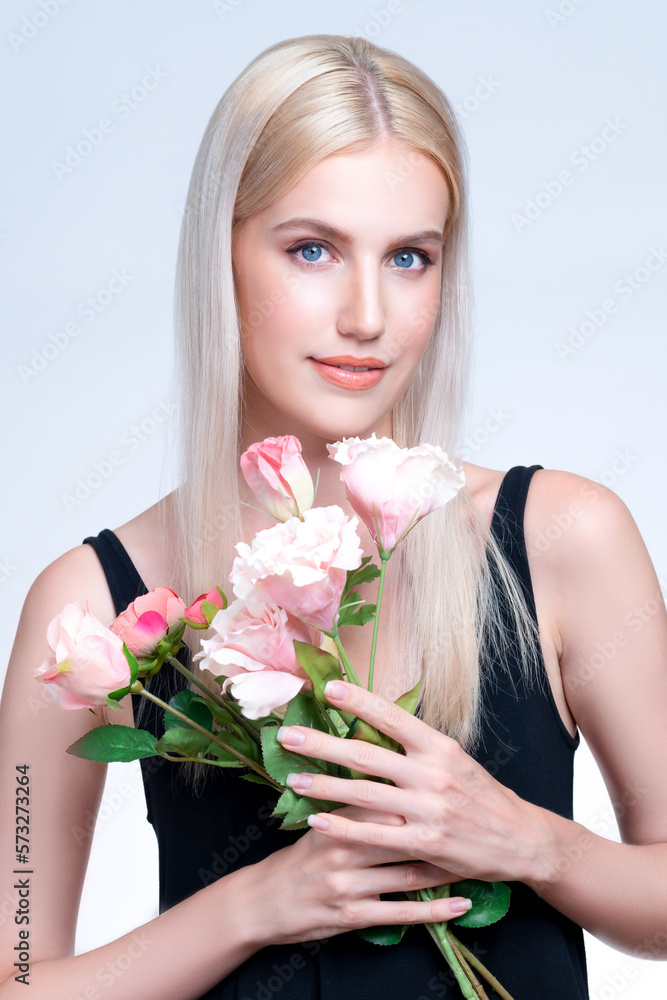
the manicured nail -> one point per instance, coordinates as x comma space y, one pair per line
299, 780
288, 735
335, 691
318, 822
460, 905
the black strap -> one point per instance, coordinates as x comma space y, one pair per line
507, 523
125, 584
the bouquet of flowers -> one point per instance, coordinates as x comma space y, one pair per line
276, 647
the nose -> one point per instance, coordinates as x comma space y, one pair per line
362, 311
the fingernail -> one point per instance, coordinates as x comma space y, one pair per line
460, 905
288, 735
318, 822
299, 780
335, 691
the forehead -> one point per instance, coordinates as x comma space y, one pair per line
390, 185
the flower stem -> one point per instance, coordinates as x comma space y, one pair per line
213, 737
384, 559
476, 985
229, 706
490, 978
438, 934
349, 670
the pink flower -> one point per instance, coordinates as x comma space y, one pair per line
254, 648
300, 565
392, 488
88, 662
278, 476
146, 620
195, 612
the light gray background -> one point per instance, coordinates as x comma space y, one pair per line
535, 81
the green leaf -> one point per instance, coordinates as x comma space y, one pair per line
409, 700
319, 665
256, 779
114, 743
387, 934
361, 730
134, 666
297, 808
360, 615
364, 573
209, 610
490, 902
287, 801
303, 710
191, 705
279, 762
184, 741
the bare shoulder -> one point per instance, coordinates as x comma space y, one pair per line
569, 518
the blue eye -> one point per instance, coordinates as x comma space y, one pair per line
314, 250
404, 258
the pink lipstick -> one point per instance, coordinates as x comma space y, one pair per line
336, 370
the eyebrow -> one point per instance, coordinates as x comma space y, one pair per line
317, 225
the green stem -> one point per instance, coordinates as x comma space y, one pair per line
229, 706
472, 978
483, 971
349, 670
213, 737
384, 559
439, 934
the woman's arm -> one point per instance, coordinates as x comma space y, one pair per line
186, 950
597, 584
179, 954
596, 581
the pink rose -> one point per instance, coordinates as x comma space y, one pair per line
392, 488
147, 619
195, 612
88, 662
278, 476
254, 648
300, 565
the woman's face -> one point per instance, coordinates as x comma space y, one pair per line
345, 267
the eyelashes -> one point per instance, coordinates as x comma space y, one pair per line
421, 254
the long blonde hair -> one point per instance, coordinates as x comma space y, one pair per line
297, 102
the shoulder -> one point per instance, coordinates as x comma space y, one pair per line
569, 518
76, 575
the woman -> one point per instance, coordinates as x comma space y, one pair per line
363, 147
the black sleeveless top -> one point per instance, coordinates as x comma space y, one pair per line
535, 951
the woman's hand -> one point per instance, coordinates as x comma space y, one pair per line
453, 813
318, 887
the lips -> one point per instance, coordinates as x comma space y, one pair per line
329, 370
352, 361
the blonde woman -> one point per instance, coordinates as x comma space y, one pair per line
325, 229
